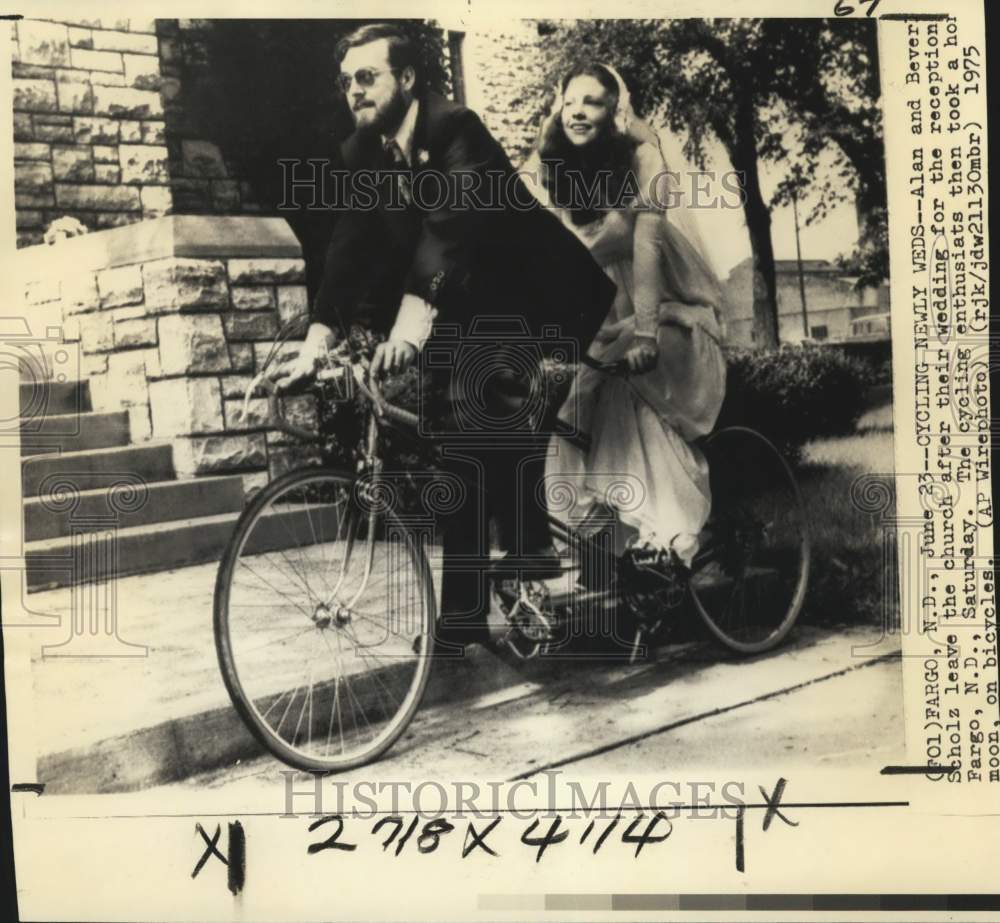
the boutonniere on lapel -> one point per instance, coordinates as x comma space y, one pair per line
423, 157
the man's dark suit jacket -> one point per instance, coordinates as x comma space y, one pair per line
513, 260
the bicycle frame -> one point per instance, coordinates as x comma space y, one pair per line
371, 458
378, 407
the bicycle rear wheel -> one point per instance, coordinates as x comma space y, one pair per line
750, 577
324, 610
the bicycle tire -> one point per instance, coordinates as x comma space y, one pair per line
236, 685
796, 575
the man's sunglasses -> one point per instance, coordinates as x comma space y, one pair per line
365, 77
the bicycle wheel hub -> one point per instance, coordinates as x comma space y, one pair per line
324, 616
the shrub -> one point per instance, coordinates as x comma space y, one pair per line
795, 394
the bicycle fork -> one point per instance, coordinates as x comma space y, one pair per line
370, 494
373, 465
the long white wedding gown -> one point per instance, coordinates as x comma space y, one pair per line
641, 461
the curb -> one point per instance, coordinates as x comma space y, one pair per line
217, 738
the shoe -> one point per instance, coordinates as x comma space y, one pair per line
453, 636
645, 557
542, 564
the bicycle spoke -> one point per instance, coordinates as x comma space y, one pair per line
352, 527
306, 566
295, 634
316, 541
377, 681
246, 565
273, 703
351, 696
335, 712
300, 575
288, 707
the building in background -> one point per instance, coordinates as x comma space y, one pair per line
497, 72
835, 310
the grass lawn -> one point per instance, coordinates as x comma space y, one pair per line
847, 582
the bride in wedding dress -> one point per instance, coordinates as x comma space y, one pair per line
664, 322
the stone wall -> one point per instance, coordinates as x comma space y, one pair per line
173, 317
504, 83
88, 123
99, 128
104, 133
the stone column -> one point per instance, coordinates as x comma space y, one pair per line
173, 317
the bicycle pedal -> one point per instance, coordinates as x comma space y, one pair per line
510, 639
649, 558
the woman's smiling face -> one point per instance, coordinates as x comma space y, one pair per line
587, 111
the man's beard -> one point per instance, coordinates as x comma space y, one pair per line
389, 119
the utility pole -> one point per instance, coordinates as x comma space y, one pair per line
798, 257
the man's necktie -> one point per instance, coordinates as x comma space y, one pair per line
397, 161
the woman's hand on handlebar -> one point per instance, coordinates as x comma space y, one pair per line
318, 342
642, 355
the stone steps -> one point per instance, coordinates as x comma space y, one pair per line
175, 523
97, 507
47, 398
162, 546
74, 432
140, 549
165, 501
94, 468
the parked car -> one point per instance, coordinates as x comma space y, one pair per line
872, 327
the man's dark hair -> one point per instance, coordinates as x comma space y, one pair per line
402, 51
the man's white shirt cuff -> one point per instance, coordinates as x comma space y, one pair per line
414, 321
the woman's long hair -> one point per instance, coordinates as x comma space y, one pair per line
568, 171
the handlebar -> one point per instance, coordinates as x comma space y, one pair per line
357, 373
358, 376
611, 368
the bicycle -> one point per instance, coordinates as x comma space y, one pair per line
325, 612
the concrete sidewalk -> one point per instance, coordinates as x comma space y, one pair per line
137, 722
829, 700
147, 720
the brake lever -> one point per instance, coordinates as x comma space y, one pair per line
270, 387
255, 383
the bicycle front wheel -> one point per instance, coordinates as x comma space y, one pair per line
750, 577
324, 609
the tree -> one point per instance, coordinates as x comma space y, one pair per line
761, 88
829, 78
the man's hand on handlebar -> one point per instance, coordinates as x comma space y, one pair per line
392, 357
318, 342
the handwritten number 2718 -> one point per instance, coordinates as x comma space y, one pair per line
845, 9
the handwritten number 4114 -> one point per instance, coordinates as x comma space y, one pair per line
846, 9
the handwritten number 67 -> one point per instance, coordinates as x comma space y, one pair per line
845, 9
